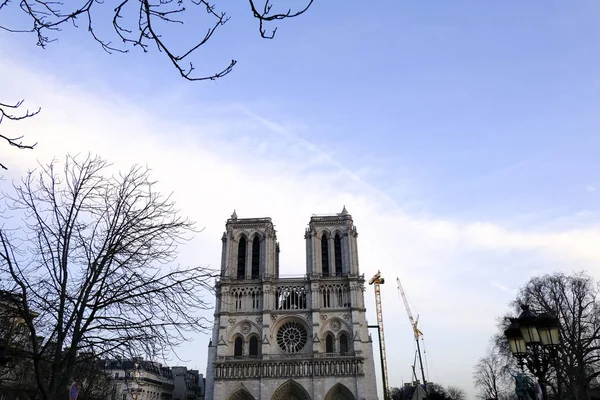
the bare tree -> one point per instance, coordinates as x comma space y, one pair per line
93, 260
489, 377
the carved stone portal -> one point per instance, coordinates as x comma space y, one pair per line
290, 391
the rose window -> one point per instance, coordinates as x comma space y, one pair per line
292, 337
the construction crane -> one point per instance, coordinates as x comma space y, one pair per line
378, 280
416, 331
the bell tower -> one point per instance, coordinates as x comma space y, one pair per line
331, 245
250, 249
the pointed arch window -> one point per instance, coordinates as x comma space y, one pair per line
337, 247
329, 343
253, 347
343, 343
238, 347
241, 266
255, 257
325, 255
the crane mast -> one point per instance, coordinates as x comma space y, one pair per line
415, 328
376, 281
413, 323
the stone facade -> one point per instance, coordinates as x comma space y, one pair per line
188, 384
138, 379
290, 338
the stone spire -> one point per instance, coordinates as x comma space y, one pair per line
344, 211
234, 215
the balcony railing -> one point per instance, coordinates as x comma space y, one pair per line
305, 277
295, 356
289, 368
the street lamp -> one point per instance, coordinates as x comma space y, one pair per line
515, 340
538, 333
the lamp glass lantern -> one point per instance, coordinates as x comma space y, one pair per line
528, 325
548, 329
515, 339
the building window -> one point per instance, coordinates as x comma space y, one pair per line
253, 349
255, 257
326, 299
238, 347
255, 300
241, 267
290, 298
337, 246
238, 296
325, 255
292, 337
329, 343
343, 343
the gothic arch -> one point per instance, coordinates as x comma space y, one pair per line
324, 233
290, 390
242, 246
329, 343
255, 258
336, 326
241, 234
339, 392
240, 329
241, 394
254, 234
338, 258
254, 344
238, 346
288, 318
337, 231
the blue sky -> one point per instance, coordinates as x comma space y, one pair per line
461, 135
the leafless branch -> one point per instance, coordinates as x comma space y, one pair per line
10, 112
265, 15
47, 17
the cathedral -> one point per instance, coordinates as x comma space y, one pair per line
292, 338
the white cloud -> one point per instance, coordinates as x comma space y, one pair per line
233, 158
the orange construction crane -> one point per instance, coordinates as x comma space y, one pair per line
378, 280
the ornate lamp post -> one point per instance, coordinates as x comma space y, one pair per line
534, 339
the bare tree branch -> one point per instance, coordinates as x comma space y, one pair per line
48, 16
11, 112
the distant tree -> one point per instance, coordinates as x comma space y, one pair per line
177, 29
92, 267
456, 393
396, 394
93, 381
437, 392
489, 376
